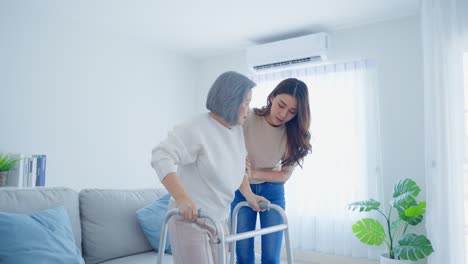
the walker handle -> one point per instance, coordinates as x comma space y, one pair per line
262, 205
201, 214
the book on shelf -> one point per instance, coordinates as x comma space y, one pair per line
32, 171
29, 171
41, 166
26, 168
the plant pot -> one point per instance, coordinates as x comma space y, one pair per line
3, 178
384, 259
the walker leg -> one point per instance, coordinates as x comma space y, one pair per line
234, 236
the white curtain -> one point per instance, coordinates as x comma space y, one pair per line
345, 161
442, 31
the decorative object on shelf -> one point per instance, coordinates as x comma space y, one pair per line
6, 163
410, 247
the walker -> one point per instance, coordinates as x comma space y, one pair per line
233, 237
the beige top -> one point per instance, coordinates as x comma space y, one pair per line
266, 145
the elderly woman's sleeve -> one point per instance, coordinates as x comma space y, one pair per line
173, 151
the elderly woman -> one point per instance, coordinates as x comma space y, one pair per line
202, 163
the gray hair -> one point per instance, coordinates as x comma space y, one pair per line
227, 94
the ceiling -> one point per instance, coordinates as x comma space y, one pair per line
205, 28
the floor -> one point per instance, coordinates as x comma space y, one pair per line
315, 258
310, 257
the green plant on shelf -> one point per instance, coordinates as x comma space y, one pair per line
7, 162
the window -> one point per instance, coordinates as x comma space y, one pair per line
465, 73
345, 160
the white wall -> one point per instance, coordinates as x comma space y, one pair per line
396, 45
95, 103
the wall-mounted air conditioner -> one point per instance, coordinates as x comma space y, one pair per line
288, 53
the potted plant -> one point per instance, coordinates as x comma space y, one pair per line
6, 163
410, 247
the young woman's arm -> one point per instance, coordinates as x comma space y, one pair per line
186, 206
272, 175
252, 198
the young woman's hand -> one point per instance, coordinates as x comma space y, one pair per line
251, 197
254, 199
188, 208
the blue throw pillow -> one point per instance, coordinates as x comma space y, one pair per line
151, 218
42, 237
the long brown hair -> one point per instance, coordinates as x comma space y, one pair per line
297, 129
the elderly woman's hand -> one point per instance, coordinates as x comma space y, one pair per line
187, 208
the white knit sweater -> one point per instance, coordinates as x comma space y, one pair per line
208, 158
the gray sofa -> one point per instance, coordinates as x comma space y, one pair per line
104, 222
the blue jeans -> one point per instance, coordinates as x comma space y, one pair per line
247, 219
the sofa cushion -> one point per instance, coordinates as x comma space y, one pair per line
109, 226
42, 237
142, 258
31, 200
151, 218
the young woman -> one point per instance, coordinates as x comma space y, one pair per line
201, 163
277, 139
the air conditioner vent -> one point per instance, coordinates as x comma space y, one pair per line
294, 52
288, 63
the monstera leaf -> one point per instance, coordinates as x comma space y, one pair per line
413, 247
366, 206
416, 211
412, 213
405, 193
369, 231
